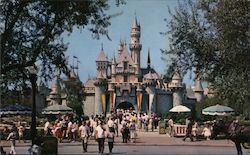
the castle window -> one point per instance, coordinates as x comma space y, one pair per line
125, 78
125, 65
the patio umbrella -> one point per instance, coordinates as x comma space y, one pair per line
217, 110
57, 109
180, 108
15, 109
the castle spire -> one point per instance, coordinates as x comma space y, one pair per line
135, 23
120, 47
102, 56
102, 46
149, 59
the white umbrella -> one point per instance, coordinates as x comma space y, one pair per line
180, 108
217, 110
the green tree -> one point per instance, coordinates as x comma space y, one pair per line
31, 31
213, 37
75, 95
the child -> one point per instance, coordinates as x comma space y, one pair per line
206, 132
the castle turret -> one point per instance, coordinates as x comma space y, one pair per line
177, 87
55, 94
113, 69
120, 47
135, 46
102, 63
198, 89
100, 94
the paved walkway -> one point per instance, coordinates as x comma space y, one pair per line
154, 138
148, 138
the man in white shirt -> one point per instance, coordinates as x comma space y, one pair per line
100, 136
171, 127
110, 122
84, 134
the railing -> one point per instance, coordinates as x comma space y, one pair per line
180, 130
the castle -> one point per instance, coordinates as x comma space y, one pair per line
122, 83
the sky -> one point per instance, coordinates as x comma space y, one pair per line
150, 14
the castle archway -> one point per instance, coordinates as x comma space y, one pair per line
125, 106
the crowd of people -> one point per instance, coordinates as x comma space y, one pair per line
101, 128
125, 123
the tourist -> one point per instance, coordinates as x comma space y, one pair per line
132, 130
15, 129
68, 131
124, 122
57, 130
21, 133
12, 138
125, 133
110, 122
116, 122
94, 125
84, 134
189, 131
150, 124
64, 126
195, 129
74, 131
91, 120
100, 136
206, 132
110, 136
155, 120
171, 127
47, 127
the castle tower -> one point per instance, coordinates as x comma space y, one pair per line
102, 63
177, 88
135, 46
198, 89
100, 91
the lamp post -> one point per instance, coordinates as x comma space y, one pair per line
33, 77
